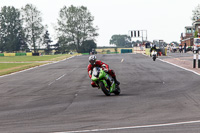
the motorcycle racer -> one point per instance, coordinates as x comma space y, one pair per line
93, 62
153, 48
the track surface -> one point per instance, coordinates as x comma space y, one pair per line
156, 97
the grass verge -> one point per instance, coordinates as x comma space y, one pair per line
34, 58
15, 67
18, 63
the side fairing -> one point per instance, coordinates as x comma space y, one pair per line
102, 74
94, 78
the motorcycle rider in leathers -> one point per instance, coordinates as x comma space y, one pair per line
153, 48
97, 63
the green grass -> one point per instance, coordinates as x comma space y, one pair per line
7, 68
17, 63
33, 58
11, 65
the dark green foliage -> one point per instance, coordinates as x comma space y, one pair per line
33, 26
20, 30
196, 34
75, 27
87, 46
196, 13
121, 41
63, 46
47, 42
11, 32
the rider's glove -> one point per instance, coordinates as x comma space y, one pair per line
104, 68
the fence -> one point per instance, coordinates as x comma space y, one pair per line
16, 54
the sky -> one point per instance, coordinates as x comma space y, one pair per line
162, 19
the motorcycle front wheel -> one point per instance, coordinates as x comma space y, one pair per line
154, 58
117, 91
104, 89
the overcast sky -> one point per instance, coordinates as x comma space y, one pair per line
163, 19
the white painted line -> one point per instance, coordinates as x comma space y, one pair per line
57, 79
61, 77
180, 67
133, 127
51, 83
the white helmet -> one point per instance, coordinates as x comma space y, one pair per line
92, 59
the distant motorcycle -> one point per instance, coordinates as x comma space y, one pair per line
154, 55
105, 82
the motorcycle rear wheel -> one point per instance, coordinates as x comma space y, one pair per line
104, 89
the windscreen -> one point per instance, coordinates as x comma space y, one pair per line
96, 71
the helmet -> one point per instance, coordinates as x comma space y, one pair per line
92, 59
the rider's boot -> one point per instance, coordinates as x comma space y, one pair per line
117, 82
94, 85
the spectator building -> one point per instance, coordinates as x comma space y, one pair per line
189, 35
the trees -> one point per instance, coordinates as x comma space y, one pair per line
33, 26
196, 13
121, 41
47, 40
75, 25
88, 45
11, 32
22, 28
15, 36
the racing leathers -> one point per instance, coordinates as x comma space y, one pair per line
153, 48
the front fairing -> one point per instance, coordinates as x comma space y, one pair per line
98, 74
94, 78
153, 52
95, 74
102, 74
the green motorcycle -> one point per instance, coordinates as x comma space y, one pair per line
105, 82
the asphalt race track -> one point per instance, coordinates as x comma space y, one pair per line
156, 97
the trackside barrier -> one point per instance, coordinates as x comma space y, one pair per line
15, 54
195, 56
198, 60
164, 51
85, 53
147, 51
20, 54
126, 51
194, 60
9, 54
29, 54
35, 54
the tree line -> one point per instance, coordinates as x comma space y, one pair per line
23, 30
125, 40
